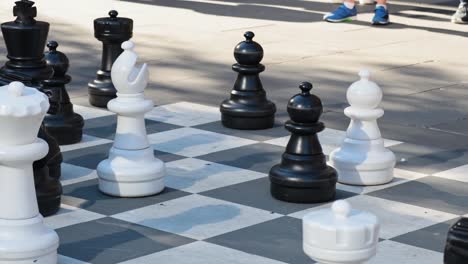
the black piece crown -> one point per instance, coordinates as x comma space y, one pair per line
113, 27
56, 59
305, 107
248, 52
25, 12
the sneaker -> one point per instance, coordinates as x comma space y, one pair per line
461, 16
341, 14
381, 16
366, 2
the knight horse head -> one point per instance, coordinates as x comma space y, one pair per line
126, 76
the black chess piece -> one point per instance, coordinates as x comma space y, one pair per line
65, 125
248, 106
25, 39
112, 31
303, 175
456, 248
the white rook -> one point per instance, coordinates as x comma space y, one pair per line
362, 158
24, 239
340, 235
131, 169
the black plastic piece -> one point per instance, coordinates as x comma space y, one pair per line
248, 107
303, 175
456, 249
62, 123
112, 31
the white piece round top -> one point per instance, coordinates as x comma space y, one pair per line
17, 100
341, 228
127, 77
364, 93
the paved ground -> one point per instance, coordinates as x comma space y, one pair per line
418, 60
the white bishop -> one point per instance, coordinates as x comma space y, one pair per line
362, 158
131, 169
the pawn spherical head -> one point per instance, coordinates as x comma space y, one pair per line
128, 45
249, 35
364, 93
341, 209
248, 52
113, 13
52, 45
16, 89
305, 87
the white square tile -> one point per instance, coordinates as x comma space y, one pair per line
330, 139
192, 142
185, 114
390, 252
197, 216
69, 215
395, 218
201, 252
86, 141
400, 176
73, 174
194, 175
67, 260
458, 174
91, 112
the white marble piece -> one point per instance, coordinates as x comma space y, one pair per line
86, 141
396, 218
391, 252
400, 176
330, 139
194, 175
74, 174
201, 252
197, 216
69, 215
192, 142
91, 112
185, 114
458, 174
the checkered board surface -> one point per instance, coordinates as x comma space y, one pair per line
217, 207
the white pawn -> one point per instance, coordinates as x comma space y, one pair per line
24, 238
362, 158
131, 169
340, 235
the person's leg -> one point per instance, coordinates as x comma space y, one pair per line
381, 16
346, 12
461, 15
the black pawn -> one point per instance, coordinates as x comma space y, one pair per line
456, 249
248, 106
112, 31
61, 122
25, 39
303, 175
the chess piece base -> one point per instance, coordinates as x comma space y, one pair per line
27, 241
101, 90
339, 257
65, 133
365, 163
49, 205
248, 123
131, 173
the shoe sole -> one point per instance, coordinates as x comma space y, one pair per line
376, 23
456, 21
348, 19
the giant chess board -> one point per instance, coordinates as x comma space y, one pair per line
217, 207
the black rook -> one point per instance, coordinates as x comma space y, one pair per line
303, 175
248, 106
112, 31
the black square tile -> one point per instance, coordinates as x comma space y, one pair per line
256, 193
91, 156
104, 127
86, 195
108, 241
257, 157
279, 239
430, 192
433, 237
278, 130
428, 160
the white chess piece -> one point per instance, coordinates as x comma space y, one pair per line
340, 235
131, 169
362, 158
23, 236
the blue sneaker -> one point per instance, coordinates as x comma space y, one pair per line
381, 16
341, 14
